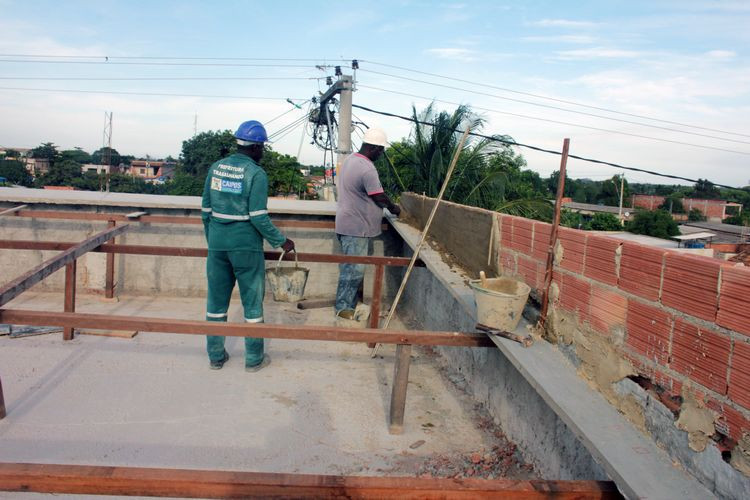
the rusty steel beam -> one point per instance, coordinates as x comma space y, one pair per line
264, 330
109, 275
2, 402
191, 483
202, 252
155, 219
11, 290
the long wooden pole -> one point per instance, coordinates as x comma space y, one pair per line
553, 233
403, 350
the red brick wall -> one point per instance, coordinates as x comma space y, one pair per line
685, 318
680, 319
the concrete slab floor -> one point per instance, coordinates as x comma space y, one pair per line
151, 401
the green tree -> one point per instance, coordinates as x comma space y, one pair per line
673, 204
705, 189
15, 171
99, 156
77, 155
610, 192
200, 151
696, 215
569, 218
61, 173
604, 222
185, 185
283, 171
657, 223
46, 150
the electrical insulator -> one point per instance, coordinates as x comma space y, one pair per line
338, 70
355, 64
329, 80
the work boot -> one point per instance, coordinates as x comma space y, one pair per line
217, 365
254, 368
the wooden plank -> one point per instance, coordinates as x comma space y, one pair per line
11, 290
261, 330
188, 483
377, 297
398, 393
70, 295
315, 304
202, 252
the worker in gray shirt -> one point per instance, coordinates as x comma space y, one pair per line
359, 214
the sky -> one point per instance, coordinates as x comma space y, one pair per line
656, 85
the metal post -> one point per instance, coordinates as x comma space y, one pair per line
109, 284
553, 233
345, 121
70, 296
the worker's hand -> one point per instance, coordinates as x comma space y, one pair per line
288, 245
395, 210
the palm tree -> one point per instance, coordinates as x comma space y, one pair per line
484, 169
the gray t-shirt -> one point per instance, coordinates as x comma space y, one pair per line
356, 213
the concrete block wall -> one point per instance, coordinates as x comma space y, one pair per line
682, 322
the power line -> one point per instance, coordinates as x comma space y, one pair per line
562, 122
131, 63
159, 78
285, 112
538, 96
549, 106
513, 143
106, 57
157, 94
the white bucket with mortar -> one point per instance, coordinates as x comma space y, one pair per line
500, 301
287, 283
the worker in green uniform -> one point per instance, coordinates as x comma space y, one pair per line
235, 220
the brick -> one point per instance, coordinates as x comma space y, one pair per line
739, 375
505, 224
573, 242
730, 422
575, 296
523, 233
702, 355
734, 300
600, 262
691, 285
648, 331
508, 262
542, 232
531, 271
607, 309
640, 270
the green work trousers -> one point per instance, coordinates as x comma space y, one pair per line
223, 268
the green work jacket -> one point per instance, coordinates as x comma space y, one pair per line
234, 208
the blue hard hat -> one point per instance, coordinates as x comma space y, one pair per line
251, 132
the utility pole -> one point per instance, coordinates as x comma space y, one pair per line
195, 125
622, 191
342, 86
107, 146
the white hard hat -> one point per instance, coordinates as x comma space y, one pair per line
375, 136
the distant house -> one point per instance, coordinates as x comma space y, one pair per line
22, 153
99, 169
37, 166
156, 172
713, 210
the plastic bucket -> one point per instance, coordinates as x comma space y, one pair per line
287, 283
500, 301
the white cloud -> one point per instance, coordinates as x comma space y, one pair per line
597, 53
721, 54
563, 23
560, 38
454, 53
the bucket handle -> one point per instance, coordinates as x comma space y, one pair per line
281, 257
